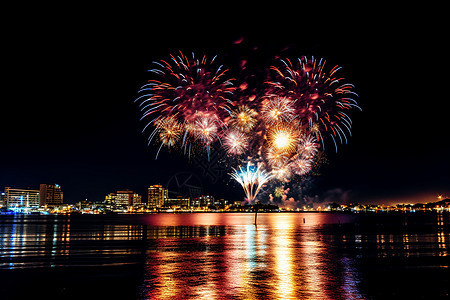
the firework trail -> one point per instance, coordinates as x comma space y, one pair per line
251, 179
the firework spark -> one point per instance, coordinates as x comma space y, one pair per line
251, 179
283, 138
170, 131
235, 142
308, 147
301, 166
244, 119
276, 109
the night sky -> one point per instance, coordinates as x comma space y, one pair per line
68, 116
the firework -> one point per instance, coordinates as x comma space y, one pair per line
251, 179
301, 166
170, 131
276, 159
284, 126
277, 109
308, 146
279, 191
204, 128
282, 173
235, 142
192, 92
244, 118
283, 138
318, 97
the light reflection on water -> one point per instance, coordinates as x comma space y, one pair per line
224, 256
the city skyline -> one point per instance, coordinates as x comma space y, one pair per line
51, 195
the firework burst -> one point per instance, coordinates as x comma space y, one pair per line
235, 142
283, 138
282, 173
192, 92
251, 179
244, 118
308, 146
276, 159
279, 191
276, 109
319, 97
169, 130
204, 128
301, 166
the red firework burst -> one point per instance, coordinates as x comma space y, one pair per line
319, 97
190, 91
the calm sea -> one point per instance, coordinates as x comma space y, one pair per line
225, 256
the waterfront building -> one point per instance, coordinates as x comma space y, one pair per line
110, 199
137, 200
124, 198
21, 198
50, 195
203, 201
83, 205
220, 202
157, 196
178, 202
2, 199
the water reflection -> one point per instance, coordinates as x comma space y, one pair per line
280, 258
224, 256
283, 260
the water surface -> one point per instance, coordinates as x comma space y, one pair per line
225, 256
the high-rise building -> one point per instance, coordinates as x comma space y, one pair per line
157, 196
50, 195
137, 199
110, 199
124, 198
18, 198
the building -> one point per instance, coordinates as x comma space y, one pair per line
124, 198
110, 199
157, 196
2, 199
21, 198
203, 201
178, 202
50, 195
137, 200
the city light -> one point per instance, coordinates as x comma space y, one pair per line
48, 200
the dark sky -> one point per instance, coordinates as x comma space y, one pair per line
67, 111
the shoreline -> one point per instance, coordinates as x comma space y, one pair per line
226, 212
